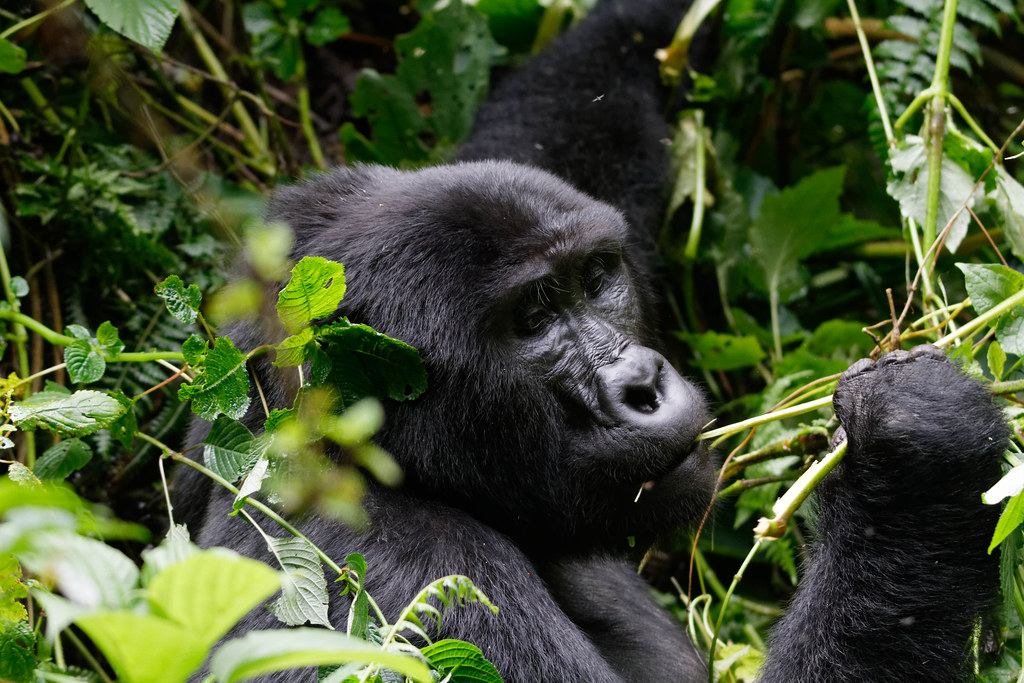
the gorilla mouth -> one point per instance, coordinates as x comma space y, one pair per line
686, 462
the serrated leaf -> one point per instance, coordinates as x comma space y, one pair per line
183, 302
12, 590
79, 414
909, 187
223, 385
85, 364
367, 363
194, 349
227, 449
147, 22
295, 349
17, 652
21, 475
208, 592
462, 662
261, 652
1008, 195
314, 291
988, 284
304, 598
12, 57
61, 459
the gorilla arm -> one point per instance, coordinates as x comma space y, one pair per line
893, 587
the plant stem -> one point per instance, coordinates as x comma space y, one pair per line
736, 427
20, 338
773, 529
876, 88
936, 121
725, 603
34, 19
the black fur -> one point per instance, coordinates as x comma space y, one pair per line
523, 458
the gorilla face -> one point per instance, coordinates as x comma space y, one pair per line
548, 413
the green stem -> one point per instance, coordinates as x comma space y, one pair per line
253, 140
58, 339
249, 500
304, 114
20, 344
876, 88
936, 121
736, 427
700, 171
793, 498
972, 124
991, 314
550, 24
34, 19
725, 604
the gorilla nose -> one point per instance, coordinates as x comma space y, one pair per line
641, 389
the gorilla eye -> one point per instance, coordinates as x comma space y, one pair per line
597, 273
532, 315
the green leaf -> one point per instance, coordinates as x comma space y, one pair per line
253, 482
1011, 518
1008, 195
147, 22
183, 302
84, 361
996, 359
988, 283
108, 339
461, 661
195, 349
19, 286
12, 590
909, 186
130, 642
328, 25
12, 57
316, 288
228, 448
222, 386
208, 592
714, 351
367, 363
176, 547
61, 459
789, 228
295, 349
304, 597
89, 573
261, 652
17, 652
79, 414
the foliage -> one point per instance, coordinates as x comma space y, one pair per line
136, 151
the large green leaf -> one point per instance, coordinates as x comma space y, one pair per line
62, 459
262, 652
183, 302
364, 363
210, 591
79, 414
17, 652
462, 662
316, 288
790, 227
144, 648
147, 22
304, 597
228, 448
223, 385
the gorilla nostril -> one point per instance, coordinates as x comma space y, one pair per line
642, 399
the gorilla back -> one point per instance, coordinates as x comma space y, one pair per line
523, 274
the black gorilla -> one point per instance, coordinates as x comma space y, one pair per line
522, 273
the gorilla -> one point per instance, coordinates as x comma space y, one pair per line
523, 273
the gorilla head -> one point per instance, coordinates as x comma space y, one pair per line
549, 414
